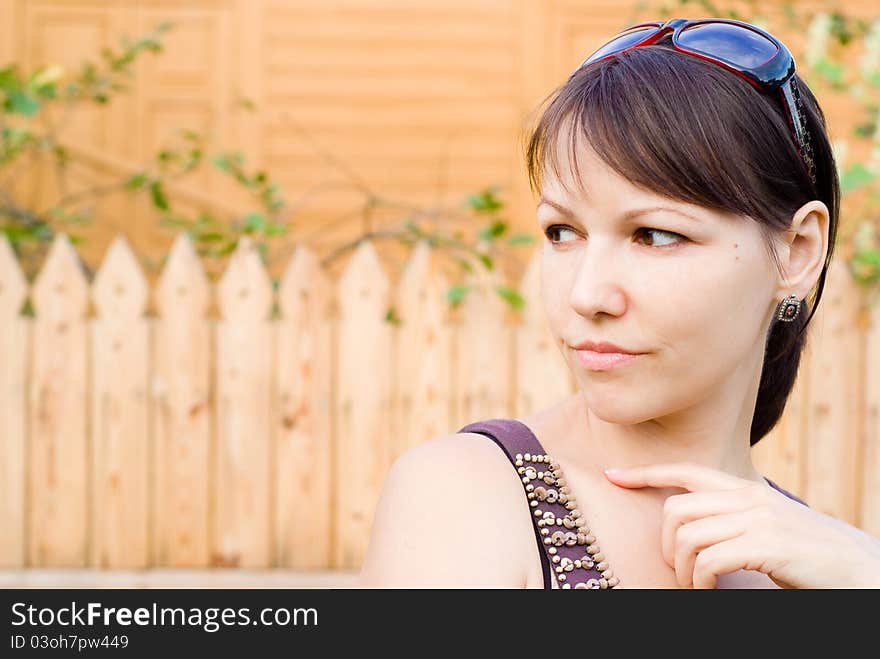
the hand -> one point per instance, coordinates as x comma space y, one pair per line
725, 523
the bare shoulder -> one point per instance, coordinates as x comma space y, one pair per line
857, 534
451, 513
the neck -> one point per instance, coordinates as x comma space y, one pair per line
714, 433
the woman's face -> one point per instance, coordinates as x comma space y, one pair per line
695, 295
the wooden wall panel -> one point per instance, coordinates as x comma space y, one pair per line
419, 101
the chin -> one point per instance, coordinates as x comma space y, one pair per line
623, 410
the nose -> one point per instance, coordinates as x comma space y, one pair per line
598, 284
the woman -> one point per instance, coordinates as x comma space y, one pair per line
689, 199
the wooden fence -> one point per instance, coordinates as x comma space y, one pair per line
260, 439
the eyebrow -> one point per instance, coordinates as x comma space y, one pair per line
634, 212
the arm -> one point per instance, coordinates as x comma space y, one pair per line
451, 514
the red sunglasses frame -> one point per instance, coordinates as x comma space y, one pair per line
777, 73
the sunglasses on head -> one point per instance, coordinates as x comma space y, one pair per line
741, 48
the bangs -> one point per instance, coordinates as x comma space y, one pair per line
675, 126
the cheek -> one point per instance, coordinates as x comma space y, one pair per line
554, 292
715, 307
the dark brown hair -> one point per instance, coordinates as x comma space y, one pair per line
687, 129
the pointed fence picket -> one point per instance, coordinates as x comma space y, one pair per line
14, 350
263, 437
119, 406
304, 500
181, 410
422, 355
362, 413
244, 412
58, 510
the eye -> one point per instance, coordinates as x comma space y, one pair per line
553, 230
648, 230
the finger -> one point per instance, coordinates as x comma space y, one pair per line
696, 536
721, 558
687, 475
680, 509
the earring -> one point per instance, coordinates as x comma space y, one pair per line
789, 309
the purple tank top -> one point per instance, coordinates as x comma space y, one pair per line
564, 547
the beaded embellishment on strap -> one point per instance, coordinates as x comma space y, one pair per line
565, 543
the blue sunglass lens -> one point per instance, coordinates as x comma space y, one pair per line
738, 45
621, 42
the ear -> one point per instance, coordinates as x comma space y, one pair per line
803, 252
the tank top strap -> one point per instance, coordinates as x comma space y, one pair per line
561, 546
786, 492
511, 435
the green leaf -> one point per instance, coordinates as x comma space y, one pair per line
136, 181
275, 229
497, 228
865, 265
865, 130
221, 162
487, 261
62, 156
485, 201
160, 201
19, 102
855, 176
254, 222
465, 264
840, 28
521, 239
456, 294
9, 79
228, 248
392, 317
512, 297
174, 222
832, 71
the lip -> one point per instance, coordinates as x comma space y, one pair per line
603, 355
603, 346
603, 361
